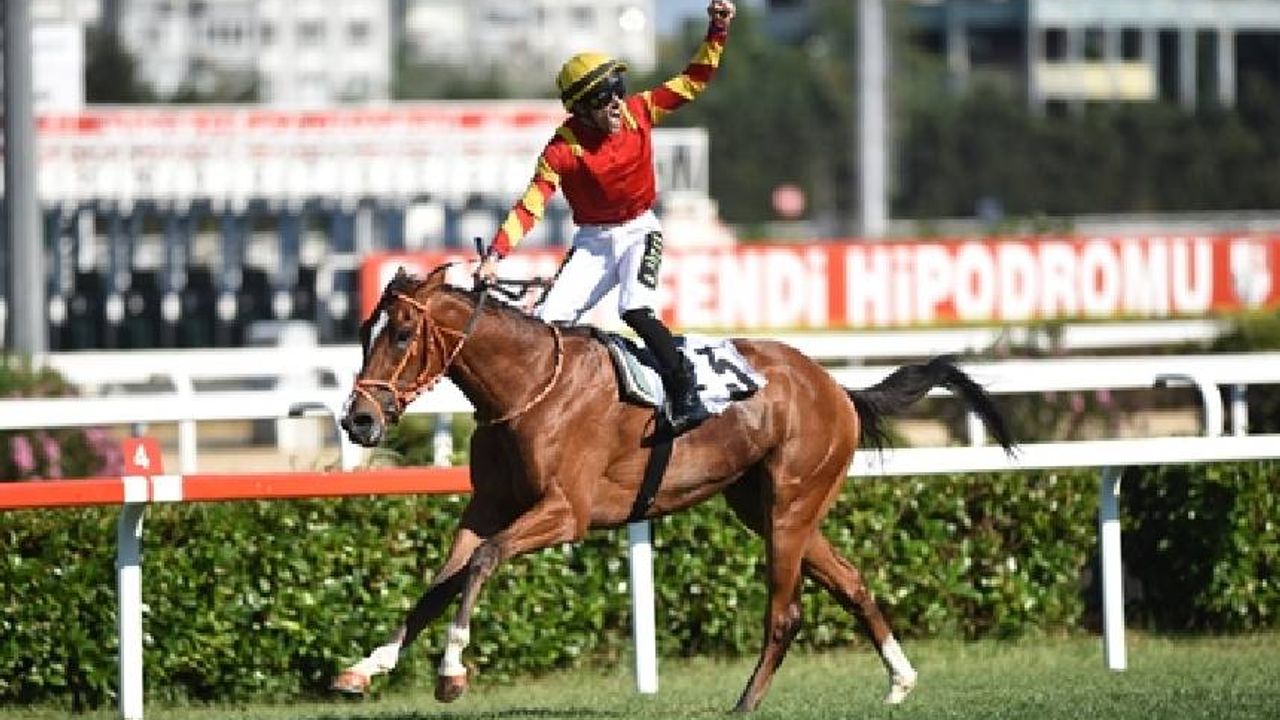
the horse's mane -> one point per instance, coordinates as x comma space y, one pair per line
409, 284
511, 311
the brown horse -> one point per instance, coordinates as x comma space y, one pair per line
556, 453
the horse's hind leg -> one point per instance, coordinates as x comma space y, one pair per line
842, 579
444, 587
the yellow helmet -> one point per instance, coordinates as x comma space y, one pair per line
582, 72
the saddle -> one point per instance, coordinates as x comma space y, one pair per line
723, 375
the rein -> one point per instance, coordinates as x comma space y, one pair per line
423, 383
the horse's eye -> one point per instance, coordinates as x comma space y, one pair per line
402, 336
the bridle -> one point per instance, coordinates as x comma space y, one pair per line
424, 382
401, 396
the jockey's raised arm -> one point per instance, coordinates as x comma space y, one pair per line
601, 157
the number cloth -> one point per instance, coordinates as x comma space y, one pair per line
722, 374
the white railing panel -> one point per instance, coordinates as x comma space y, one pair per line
95, 369
1050, 455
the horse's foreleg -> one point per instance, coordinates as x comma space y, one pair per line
747, 499
781, 625
549, 521
444, 587
784, 531
844, 582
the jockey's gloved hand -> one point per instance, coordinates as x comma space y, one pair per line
488, 270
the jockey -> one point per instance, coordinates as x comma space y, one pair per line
603, 157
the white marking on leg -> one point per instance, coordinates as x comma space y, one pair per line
902, 677
456, 640
382, 660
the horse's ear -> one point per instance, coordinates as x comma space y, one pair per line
436, 277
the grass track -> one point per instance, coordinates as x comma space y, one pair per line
1029, 680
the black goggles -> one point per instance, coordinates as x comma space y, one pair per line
600, 96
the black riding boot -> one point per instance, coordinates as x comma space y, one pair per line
684, 410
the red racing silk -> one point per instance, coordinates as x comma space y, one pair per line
608, 178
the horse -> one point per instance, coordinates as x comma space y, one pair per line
557, 453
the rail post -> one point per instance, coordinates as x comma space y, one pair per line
1210, 399
349, 454
1239, 410
643, 625
188, 442
129, 619
1113, 646
442, 441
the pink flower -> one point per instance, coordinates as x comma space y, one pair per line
1077, 403
52, 455
22, 456
105, 447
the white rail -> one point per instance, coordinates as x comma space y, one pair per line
187, 407
857, 347
311, 372
92, 370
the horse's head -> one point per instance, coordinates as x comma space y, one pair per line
404, 354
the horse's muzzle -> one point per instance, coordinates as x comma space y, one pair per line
362, 428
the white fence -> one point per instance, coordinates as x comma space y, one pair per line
320, 376
103, 370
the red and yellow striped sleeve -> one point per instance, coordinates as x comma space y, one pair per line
684, 87
531, 206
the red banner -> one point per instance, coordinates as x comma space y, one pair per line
902, 284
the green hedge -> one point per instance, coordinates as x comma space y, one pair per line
257, 599
1204, 545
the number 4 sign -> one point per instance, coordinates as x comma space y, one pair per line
142, 456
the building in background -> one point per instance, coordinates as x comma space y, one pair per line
1071, 51
295, 52
58, 30
527, 41
318, 52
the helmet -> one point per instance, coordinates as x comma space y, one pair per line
582, 72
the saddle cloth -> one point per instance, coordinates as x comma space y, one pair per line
722, 374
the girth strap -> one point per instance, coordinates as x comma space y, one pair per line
654, 469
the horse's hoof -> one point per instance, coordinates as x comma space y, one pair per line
351, 682
899, 687
450, 687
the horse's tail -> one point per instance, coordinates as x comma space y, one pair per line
906, 385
